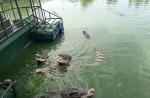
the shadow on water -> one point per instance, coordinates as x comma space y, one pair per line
22, 68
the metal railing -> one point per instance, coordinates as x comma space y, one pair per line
42, 16
46, 16
13, 28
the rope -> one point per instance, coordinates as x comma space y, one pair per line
7, 90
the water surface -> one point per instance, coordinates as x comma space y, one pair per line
118, 28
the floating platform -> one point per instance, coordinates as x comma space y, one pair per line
47, 31
27, 23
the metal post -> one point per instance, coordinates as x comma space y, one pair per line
9, 15
34, 7
3, 27
18, 11
12, 9
28, 13
40, 4
44, 15
2, 23
3, 20
39, 12
28, 17
41, 9
50, 15
31, 7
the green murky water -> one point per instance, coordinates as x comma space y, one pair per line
120, 29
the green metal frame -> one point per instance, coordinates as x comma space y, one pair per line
35, 10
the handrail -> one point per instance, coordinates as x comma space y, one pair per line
57, 17
51, 13
38, 25
33, 25
31, 15
36, 7
1, 40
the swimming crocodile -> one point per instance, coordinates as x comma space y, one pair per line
64, 59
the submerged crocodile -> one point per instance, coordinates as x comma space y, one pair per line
48, 69
71, 93
41, 57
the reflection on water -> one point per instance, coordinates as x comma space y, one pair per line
136, 2
139, 2
86, 2
130, 2
111, 1
83, 3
